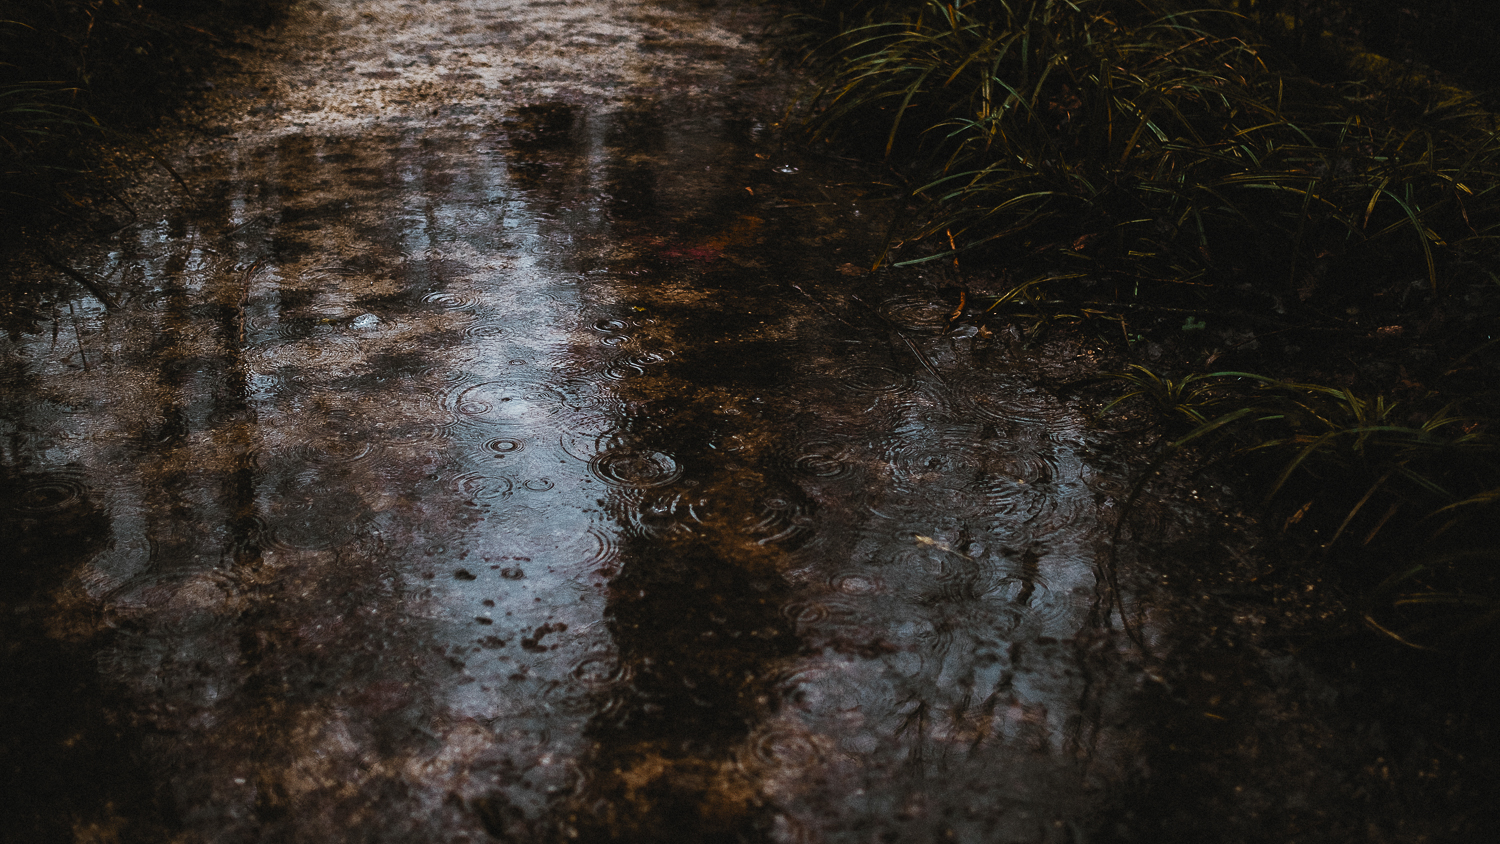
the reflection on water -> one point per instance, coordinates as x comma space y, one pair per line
549, 482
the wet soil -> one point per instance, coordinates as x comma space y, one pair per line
502, 441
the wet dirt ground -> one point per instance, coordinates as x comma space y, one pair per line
502, 441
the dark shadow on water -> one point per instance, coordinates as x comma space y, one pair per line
71, 765
699, 630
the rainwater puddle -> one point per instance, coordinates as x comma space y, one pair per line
529, 471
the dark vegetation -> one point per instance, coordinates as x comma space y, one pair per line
1290, 239
80, 79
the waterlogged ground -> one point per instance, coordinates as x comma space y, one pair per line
504, 442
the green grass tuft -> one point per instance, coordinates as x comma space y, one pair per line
1131, 163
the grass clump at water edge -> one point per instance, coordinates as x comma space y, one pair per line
1126, 164
77, 76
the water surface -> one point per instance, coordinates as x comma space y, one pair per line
505, 441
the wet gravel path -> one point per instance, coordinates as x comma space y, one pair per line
501, 442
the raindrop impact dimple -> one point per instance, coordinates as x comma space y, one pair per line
450, 301
783, 520
875, 379
918, 313
857, 583
51, 494
501, 446
621, 370
476, 487
503, 402
778, 748
599, 670
662, 515
483, 332
640, 469
334, 450
821, 460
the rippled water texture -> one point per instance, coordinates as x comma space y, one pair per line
498, 452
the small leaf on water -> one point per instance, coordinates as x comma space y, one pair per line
941, 546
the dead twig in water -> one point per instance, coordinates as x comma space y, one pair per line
77, 335
89, 284
820, 306
921, 358
245, 281
248, 277
926, 364
172, 171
